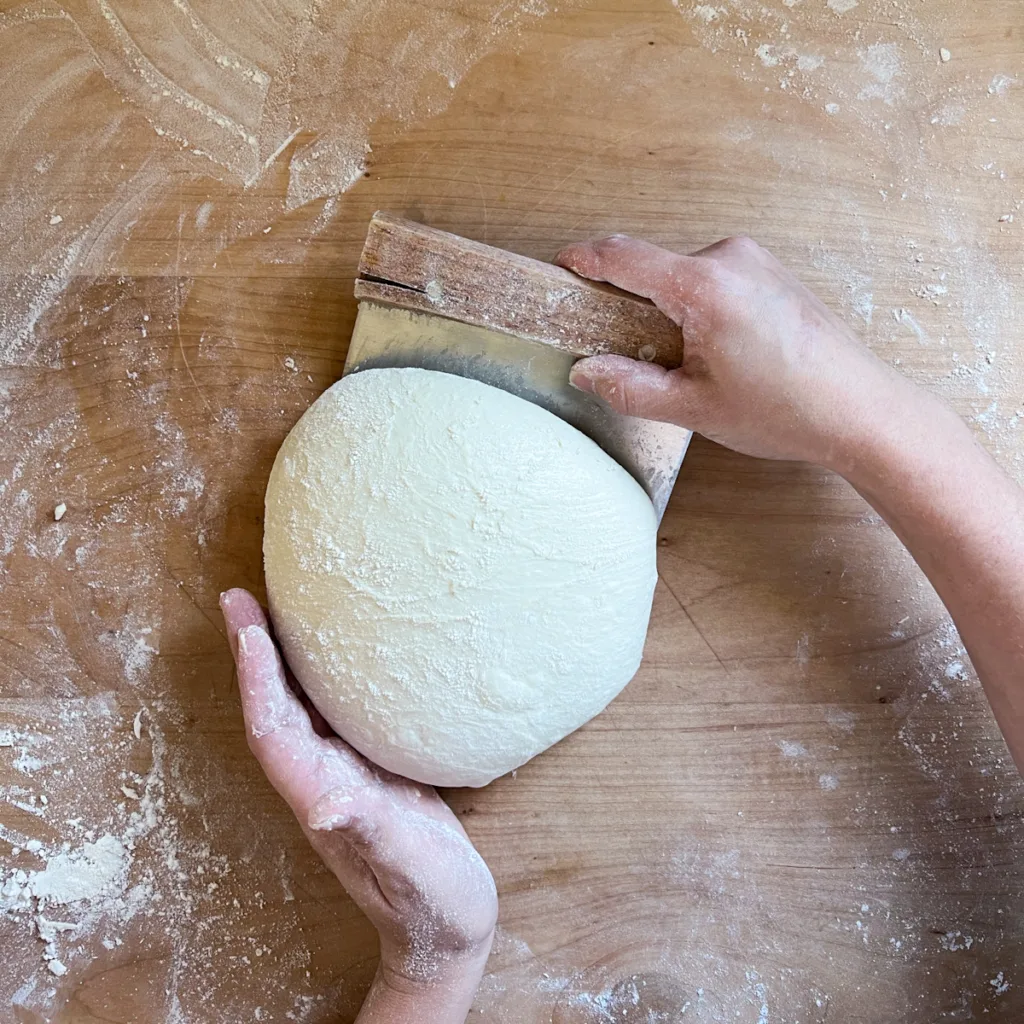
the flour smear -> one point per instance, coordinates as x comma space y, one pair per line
102, 788
146, 147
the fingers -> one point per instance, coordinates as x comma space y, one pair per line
668, 279
363, 822
278, 729
334, 810
240, 609
636, 389
298, 762
348, 865
268, 704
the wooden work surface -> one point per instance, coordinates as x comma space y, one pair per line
800, 810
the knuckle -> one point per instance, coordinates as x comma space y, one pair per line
612, 244
631, 401
741, 245
715, 274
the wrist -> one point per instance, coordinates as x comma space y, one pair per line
905, 432
877, 422
440, 991
414, 971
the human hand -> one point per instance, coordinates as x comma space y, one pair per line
768, 369
394, 845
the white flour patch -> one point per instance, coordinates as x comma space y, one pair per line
27, 747
839, 718
331, 164
955, 942
857, 285
904, 316
791, 748
133, 645
949, 115
88, 873
999, 984
1000, 85
704, 12
882, 63
203, 215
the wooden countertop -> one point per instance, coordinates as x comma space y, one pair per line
801, 808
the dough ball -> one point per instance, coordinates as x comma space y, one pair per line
457, 577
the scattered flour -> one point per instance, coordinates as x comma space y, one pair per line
856, 282
1000, 85
133, 647
882, 63
131, 854
705, 12
790, 748
954, 942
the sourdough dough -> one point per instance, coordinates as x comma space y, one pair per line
457, 577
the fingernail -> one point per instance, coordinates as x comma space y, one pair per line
329, 822
325, 814
250, 635
579, 380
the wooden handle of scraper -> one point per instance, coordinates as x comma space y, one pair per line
411, 266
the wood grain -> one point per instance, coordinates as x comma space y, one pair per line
805, 738
421, 268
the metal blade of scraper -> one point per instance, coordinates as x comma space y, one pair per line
388, 336
440, 302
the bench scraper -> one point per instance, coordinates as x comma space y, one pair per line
434, 300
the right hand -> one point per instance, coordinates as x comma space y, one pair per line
768, 369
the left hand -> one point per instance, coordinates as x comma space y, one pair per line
394, 845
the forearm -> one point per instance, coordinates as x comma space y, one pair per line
962, 519
396, 1000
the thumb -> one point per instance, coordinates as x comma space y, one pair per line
408, 853
634, 388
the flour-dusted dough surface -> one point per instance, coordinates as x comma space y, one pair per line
458, 578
